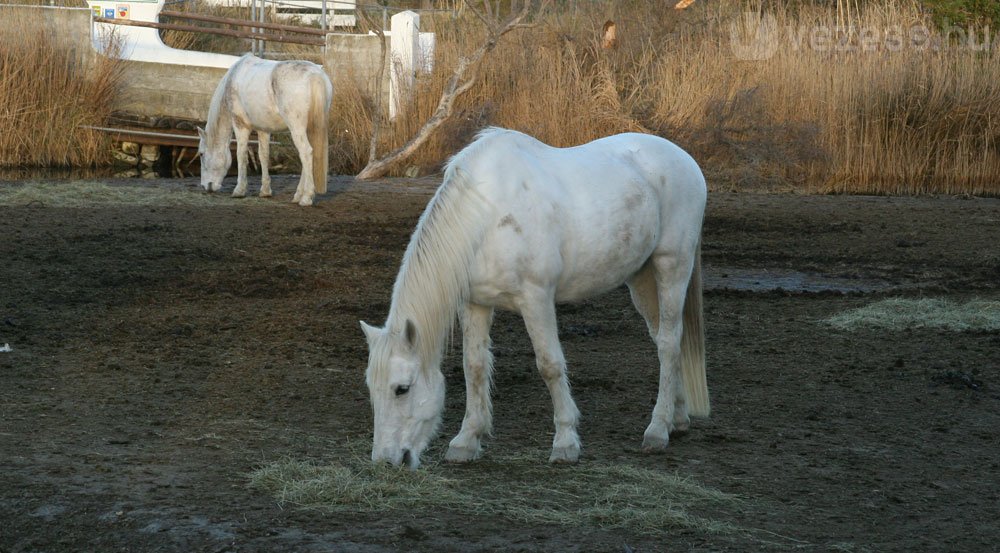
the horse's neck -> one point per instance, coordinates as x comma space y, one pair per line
432, 312
219, 126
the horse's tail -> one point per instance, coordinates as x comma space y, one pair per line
693, 345
319, 137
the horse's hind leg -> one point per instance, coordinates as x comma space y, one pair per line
305, 191
672, 274
264, 153
242, 142
539, 312
478, 363
642, 287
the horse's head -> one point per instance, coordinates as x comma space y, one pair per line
407, 398
215, 162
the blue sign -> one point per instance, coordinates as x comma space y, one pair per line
109, 13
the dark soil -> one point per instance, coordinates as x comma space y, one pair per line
160, 354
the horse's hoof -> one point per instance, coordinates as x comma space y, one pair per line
239, 194
564, 455
305, 202
680, 428
265, 194
654, 444
461, 454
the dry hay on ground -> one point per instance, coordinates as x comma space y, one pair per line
901, 314
522, 488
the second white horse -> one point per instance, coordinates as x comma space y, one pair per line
268, 96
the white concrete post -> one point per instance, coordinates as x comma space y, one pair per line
404, 52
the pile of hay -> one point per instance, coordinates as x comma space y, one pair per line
902, 314
525, 489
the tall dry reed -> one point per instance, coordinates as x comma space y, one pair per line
850, 96
50, 92
837, 103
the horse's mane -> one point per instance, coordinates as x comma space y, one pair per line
433, 279
219, 109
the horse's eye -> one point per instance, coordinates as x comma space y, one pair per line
400, 390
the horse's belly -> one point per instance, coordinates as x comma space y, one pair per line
589, 273
574, 257
263, 118
603, 248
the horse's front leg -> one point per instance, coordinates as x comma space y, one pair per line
305, 192
670, 412
478, 364
264, 153
242, 142
539, 312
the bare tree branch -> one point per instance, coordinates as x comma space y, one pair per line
462, 79
490, 24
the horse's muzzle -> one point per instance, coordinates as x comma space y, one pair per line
406, 459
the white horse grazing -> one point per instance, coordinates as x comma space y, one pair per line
268, 96
520, 225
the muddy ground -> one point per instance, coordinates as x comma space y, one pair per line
161, 353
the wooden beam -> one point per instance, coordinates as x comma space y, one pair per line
175, 137
211, 30
243, 22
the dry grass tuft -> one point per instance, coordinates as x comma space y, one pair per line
901, 314
49, 93
95, 194
520, 488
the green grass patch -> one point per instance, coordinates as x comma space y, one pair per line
524, 489
96, 194
902, 314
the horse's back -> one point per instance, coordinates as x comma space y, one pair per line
601, 163
676, 177
595, 180
268, 93
582, 219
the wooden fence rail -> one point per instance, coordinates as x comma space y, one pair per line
313, 41
243, 22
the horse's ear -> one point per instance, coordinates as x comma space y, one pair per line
201, 132
370, 331
411, 334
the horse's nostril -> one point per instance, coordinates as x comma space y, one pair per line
407, 457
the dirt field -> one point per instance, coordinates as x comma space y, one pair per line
161, 353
